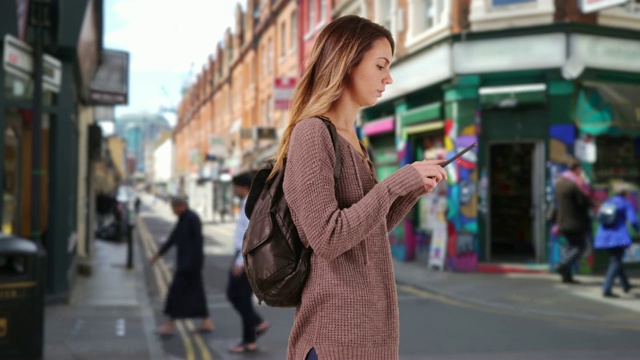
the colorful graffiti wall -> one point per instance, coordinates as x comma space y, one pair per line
462, 214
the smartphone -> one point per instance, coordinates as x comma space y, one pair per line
456, 156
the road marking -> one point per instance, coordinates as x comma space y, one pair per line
121, 327
511, 312
163, 278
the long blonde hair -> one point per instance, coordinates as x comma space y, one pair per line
339, 47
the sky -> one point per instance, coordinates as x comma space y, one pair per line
168, 43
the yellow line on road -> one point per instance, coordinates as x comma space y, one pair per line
163, 278
486, 308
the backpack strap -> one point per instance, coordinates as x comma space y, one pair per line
336, 146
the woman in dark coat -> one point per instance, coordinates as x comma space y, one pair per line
186, 297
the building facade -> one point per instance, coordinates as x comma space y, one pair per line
57, 213
533, 83
230, 118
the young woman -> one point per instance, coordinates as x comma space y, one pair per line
349, 307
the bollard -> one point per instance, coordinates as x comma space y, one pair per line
130, 246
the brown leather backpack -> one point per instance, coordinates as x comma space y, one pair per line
276, 262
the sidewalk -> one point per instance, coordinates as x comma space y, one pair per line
108, 317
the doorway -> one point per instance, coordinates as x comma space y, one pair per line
516, 191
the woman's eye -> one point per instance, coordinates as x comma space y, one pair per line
380, 67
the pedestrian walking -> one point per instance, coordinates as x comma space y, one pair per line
572, 218
349, 306
239, 291
612, 235
186, 297
137, 205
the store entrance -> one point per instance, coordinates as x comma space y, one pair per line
516, 193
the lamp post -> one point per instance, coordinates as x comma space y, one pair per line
39, 19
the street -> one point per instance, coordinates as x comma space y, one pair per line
431, 326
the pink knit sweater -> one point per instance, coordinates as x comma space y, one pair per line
349, 307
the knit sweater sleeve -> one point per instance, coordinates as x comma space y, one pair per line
309, 190
401, 207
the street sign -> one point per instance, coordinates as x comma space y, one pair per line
283, 92
18, 61
110, 84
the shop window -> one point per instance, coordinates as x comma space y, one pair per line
617, 158
10, 181
17, 88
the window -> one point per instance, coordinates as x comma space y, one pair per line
509, 2
270, 59
293, 42
323, 11
383, 11
283, 39
311, 16
269, 111
263, 55
633, 7
426, 15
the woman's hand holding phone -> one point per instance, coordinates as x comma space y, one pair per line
431, 172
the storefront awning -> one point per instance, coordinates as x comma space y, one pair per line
608, 109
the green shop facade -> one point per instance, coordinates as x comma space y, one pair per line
531, 99
72, 46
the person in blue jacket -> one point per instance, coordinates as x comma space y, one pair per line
616, 238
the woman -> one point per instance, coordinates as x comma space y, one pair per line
615, 238
349, 306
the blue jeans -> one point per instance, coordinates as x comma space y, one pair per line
616, 269
312, 355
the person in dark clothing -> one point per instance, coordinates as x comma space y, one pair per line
137, 205
573, 220
186, 297
239, 291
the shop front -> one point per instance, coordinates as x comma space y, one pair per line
17, 130
530, 111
